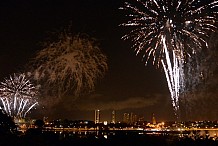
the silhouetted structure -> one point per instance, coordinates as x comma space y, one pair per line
7, 125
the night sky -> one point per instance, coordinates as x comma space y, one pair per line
128, 86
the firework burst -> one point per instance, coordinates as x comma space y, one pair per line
170, 32
17, 95
69, 65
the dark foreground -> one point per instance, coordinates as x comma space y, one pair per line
37, 138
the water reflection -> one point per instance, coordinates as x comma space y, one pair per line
121, 133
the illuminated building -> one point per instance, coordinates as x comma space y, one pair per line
135, 119
154, 120
97, 116
131, 118
126, 118
113, 118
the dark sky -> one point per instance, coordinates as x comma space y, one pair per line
128, 86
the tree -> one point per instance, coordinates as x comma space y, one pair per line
7, 125
39, 123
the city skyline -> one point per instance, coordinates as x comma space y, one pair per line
126, 117
128, 86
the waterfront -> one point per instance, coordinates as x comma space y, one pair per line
86, 133
39, 137
85, 128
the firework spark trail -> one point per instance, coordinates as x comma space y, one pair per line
173, 75
30, 108
3, 102
171, 32
18, 96
20, 105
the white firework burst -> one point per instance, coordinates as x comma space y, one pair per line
17, 95
171, 31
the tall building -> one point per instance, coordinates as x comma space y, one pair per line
154, 120
126, 118
133, 118
97, 116
113, 117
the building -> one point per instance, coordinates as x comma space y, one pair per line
130, 118
97, 116
126, 118
113, 117
133, 118
153, 120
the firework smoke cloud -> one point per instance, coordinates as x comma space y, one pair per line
69, 65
